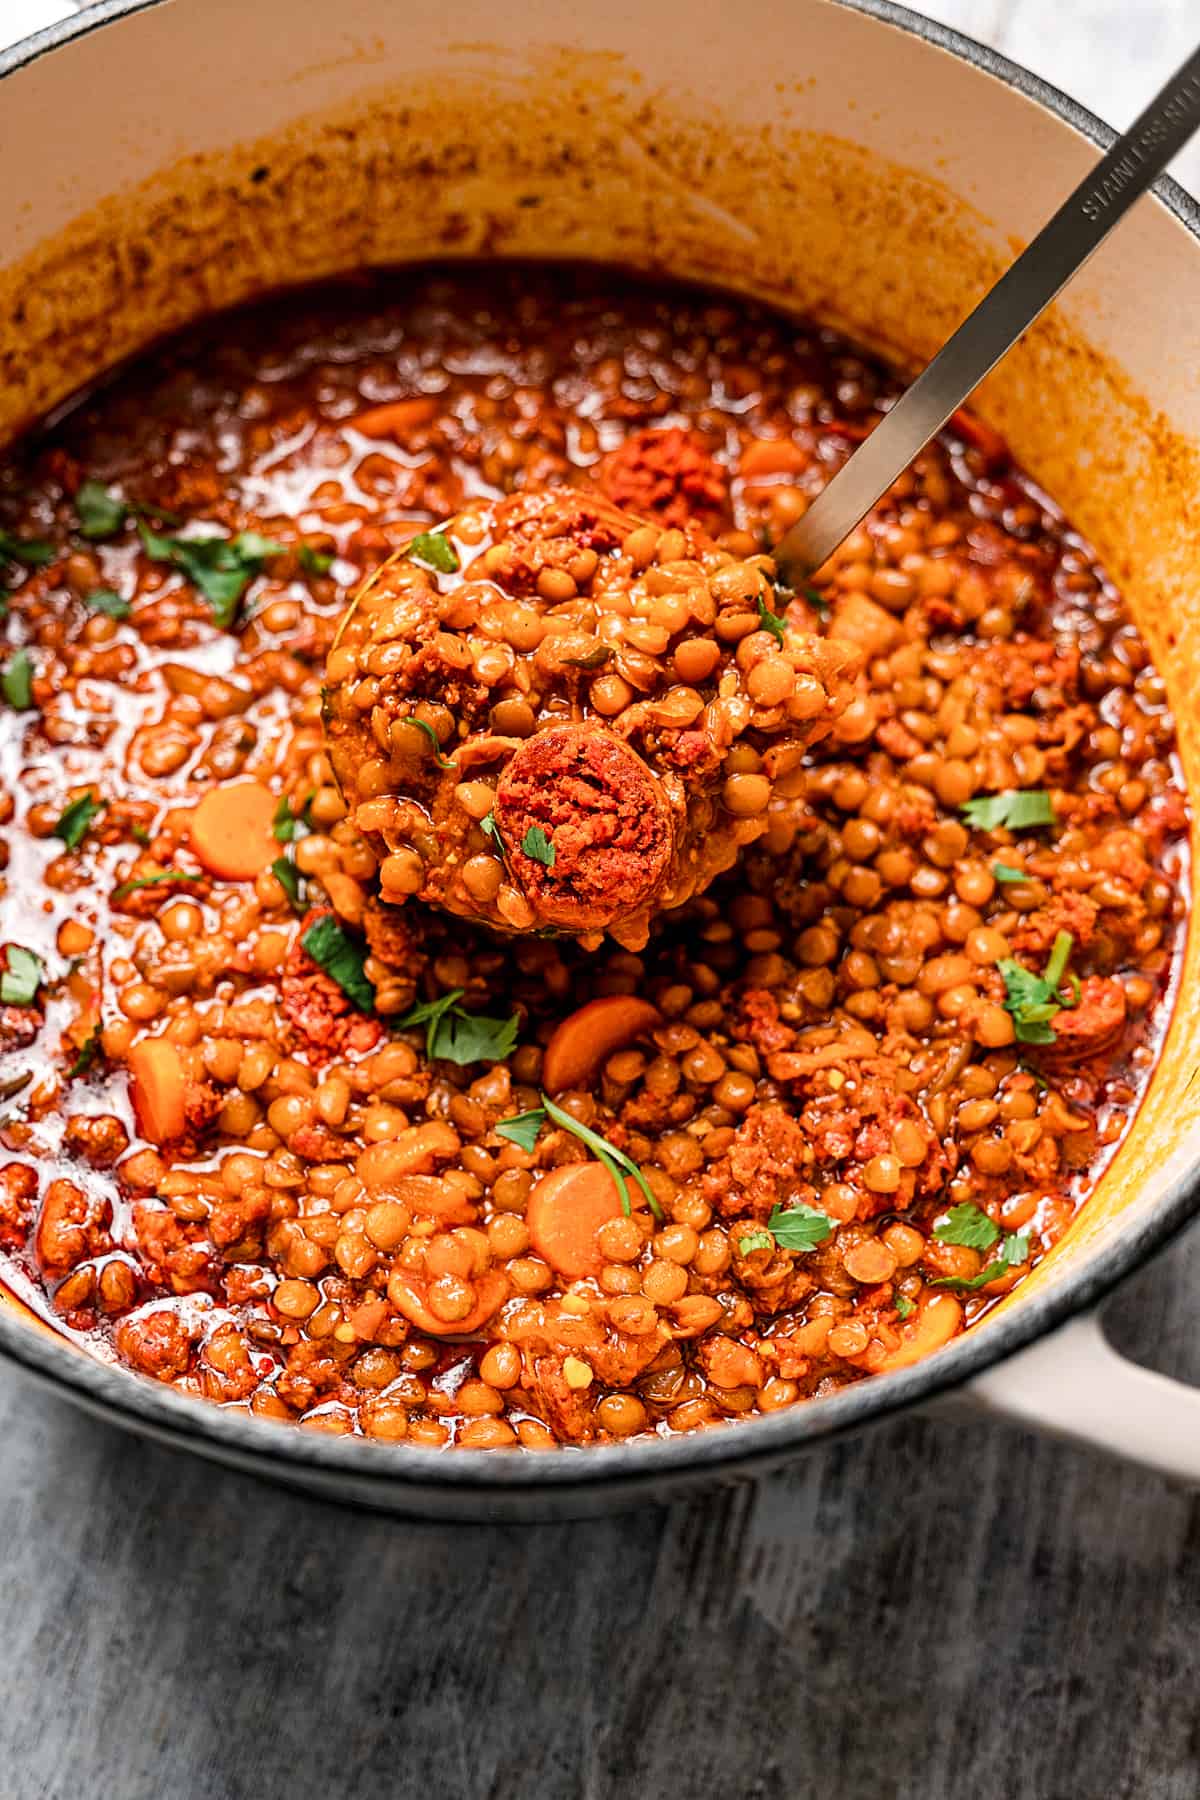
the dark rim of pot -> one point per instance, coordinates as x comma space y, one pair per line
143, 1405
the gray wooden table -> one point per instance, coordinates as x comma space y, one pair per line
943, 1608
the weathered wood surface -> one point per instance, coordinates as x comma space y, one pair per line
944, 1608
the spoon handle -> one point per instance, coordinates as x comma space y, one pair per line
1041, 271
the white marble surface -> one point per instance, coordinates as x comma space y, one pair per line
942, 1609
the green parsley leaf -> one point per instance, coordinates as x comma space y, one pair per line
538, 847
523, 1128
315, 562
35, 553
756, 1240
461, 1037
108, 602
101, 514
430, 1013
342, 958
139, 834
799, 1227
21, 978
74, 820
490, 829
771, 621
442, 761
1013, 1250
905, 1308
288, 876
285, 823
968, 1226
1033, 1000
147, 881
1018, 809
16, 683
90, 1049
222, 568
1003, 873
615, 1161
436, 551
817, 601
464, 1038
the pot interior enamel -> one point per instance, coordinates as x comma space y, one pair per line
817, 157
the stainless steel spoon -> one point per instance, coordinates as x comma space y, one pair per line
1041, 271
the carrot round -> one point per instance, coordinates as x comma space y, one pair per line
230, 830
408, 1297
565, 1211
157, 1085
935, 1322
587, 1036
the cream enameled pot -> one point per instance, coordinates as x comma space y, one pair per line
165, 157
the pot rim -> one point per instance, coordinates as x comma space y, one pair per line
142, 1405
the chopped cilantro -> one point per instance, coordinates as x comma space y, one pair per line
1018, 809
615, 1161
457, 1036
315, 562
523, 1128
443, 762
799, 1227
35, 553
342, 958
904, 1306
16, 683
1013, 1249
101, 514
222, 568
756, 1240
74, 820
435, 551
771, 621
968, 1226
285, 823
288, 876
1004, 873
147, 881
1033, 1000
817, 601
108, 602
21, 978
89, 1050
538, 847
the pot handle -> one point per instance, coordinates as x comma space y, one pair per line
1076, 1385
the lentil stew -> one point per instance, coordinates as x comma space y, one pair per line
290, 1138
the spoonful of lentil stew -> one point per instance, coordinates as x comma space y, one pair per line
553, 715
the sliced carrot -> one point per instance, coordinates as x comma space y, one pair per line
409, 1297
157, 1085
585, 1037
565, 1211
935, 1322
398, 417
366, 1319
981, 436
230, 830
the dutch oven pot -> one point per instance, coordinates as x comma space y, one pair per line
167, 157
